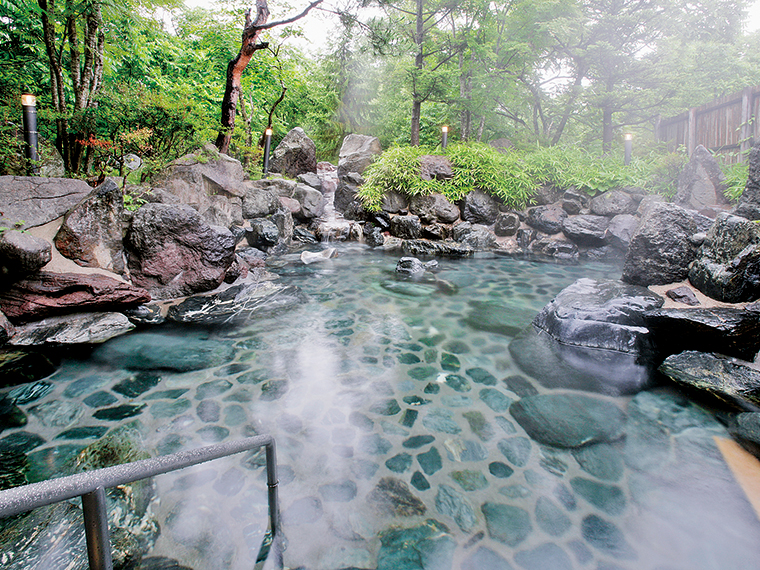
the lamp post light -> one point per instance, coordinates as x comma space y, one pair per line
267, 145
29, 107
445, 136
628, 147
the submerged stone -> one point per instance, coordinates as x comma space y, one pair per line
469, 480
417, 441
449, 362
495, 400
544, 557
432, 389
520, 385
506, 523
100, 399
212, 389
481, 376
119, 412
388, 407
450, 502
458, 383
213, 434
430, 461
399, 463
569, 420
30, 392
607, 498
273, 390
375, 445
485, 559
424, 547
422, 372
505, 317
419, 482
170, 409
607, 538
408, 418
441, 420
136, 385
92, 432
479, 425
500, 470
516, 450
550, 517
11, 415
304, 511
601, 460
341, 491
392, 496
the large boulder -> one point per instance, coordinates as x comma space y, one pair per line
749, 203
91, 233
435, 167
661, 249
551, 247
211, 182
506, 224
406, 227
312, 202
727, 267
729, 331
592, 336
357, 153
614, 203
80, 328
479, 208
547, 219
260, 202
51, 294
701, 182
734, 381
296, 154
346, 200
432, 208
172, 252
30, 201
621, 230
22, 254
586, 230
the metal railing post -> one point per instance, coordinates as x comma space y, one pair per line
274, 513
96, 530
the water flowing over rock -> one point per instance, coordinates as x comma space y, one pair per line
701, 182
592, 336
356, 153
296, 154
661, 249
749, 203
729, 331
727, 267
51, 294
91, 233
22, 254
569, 420
173, 253
80, 328
37, 201
734, 381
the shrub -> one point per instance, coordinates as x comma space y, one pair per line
736, 179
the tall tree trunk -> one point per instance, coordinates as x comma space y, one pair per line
419, 62
465, 95
580, 74
235, 70
607, 128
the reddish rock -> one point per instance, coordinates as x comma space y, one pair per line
60, 293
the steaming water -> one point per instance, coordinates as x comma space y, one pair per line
344, 381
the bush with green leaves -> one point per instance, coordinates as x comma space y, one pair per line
512, 177
736, 179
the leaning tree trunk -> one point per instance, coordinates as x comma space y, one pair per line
235, 71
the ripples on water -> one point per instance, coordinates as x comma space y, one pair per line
389, 402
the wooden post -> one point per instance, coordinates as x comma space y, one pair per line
745, 127
691, 130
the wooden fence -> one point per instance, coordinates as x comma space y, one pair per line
726, 126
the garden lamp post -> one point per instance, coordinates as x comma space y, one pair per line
267, 145
628, 147
445, 136
29, 107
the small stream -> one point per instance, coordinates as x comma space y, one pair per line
389, 401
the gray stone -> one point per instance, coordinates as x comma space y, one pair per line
312, 202
701, 182
506, 224
392, 496
607, 538
479, 208
430, 461
172, 252
546, 219
546, 194
310, 179
749, 203
727, 267
22, 254
608, 498
373, 235
78, 328
495, 400
263, 234
747, 426
451, 503
731, 380
295, 154
91, 232
660, 251
149, 314
406, 227
394, 203
345, 199
549, 247
516, 450
550, 518
433, 208
410, 266
569, 420
476, 237
33, 201
441, 420
506, 523
729, 331
586, 230
469, 480
435, 167
683, 295
613, 203
260, 202
423, 247
356, 153
485, 559
621, 230
601, 460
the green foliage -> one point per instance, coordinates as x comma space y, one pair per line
513, 176
736, 179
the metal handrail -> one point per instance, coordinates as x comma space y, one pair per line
91, 486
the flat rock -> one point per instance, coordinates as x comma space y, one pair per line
683, 295
730, 331
731, 380
586, 230
569, 420
423, 247
78, 328
37, 201
50, 294
22, 254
